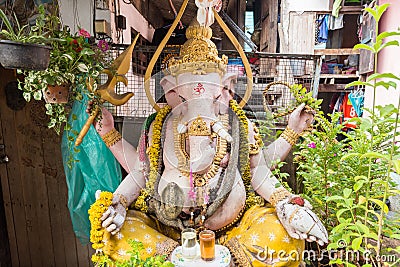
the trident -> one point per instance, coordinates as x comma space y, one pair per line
115, 73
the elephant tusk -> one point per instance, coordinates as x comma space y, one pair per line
182, 128
219, 129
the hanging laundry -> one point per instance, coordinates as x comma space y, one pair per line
337, 5
323, 29
335, 23
357, 100
349, 112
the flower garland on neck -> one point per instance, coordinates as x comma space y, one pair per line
244, 156
96, 230
153, 152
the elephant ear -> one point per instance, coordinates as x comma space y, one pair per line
228, 80
172, 97
167, 83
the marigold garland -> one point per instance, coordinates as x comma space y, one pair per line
97, 231
154, 152
244, 156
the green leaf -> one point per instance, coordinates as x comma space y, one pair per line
27, 96
380, 204
357, 186
87, 51
374, 155
381, 76
377, 45
67, 56
82, 67
359, 83
396, 165
380, 9
347, 192
356, 243
362, 228
386, 110
387, 85
37, 95
384, 35
350, 155
334, 198
390, 43
364, 46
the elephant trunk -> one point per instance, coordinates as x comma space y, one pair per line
201, 147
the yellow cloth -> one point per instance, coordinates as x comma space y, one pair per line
260, 240
138, 227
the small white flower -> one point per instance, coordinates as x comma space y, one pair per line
261, 220
149, 250
271, 236
158, 237
286, 239
119, 236
254, 238
121, 252
132, 229
143, 226
147, 238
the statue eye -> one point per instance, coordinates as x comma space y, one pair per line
182, 98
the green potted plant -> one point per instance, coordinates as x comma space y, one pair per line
24, 47
75, 64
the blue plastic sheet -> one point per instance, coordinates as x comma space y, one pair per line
93, 167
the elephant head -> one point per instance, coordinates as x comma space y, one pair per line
200, 99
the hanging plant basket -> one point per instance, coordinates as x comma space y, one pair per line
16, 55
56, 94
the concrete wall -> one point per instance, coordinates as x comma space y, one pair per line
388, 59
76, 13
135, 20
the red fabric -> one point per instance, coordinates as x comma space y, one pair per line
348, 112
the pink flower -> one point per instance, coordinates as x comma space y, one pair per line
102, 45
312, 145
84, 33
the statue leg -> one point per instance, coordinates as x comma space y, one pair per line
260, 240
138, 227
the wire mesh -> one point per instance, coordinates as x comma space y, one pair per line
266, 68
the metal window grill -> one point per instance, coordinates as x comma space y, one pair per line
266, 68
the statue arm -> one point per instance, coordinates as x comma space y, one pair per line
299, 120
124, 152
293, 211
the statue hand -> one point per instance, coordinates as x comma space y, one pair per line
104, 121
299, 221
300, 119
114, 217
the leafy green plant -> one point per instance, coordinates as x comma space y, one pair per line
355, 173
38, 34
135, 259
75, 60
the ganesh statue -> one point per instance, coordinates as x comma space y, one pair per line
201, 163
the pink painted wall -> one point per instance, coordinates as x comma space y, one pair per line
389, 58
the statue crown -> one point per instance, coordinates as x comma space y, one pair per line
198, 55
